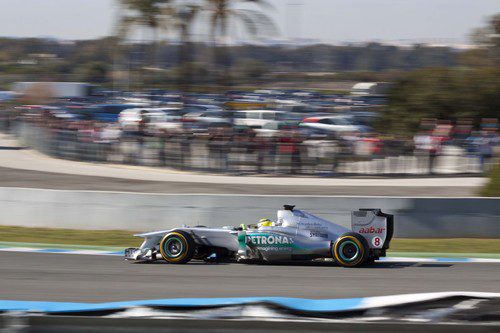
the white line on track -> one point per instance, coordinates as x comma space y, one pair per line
119, 253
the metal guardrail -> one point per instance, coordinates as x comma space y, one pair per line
75, 324
57, 324
432, 312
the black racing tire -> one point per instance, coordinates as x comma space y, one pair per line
177, 247
350, 250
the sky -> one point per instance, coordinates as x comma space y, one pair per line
331, 21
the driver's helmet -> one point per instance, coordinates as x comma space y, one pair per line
265, 223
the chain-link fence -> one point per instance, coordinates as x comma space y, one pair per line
240, 153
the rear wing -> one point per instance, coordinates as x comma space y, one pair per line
376, 227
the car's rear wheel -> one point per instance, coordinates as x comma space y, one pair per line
350, 250
177, 247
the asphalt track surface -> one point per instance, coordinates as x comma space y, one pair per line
10, 177
86, 278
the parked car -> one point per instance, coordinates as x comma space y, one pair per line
270, 119
108, 113
333, 123
156, 117
213, 116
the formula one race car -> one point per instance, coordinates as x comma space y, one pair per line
296, 235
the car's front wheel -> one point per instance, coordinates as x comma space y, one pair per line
177, 247
350, 250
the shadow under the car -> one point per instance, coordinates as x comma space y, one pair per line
192, 262
333, 264
434, 265
377, 264
11, 148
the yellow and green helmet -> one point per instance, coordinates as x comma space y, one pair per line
265, 222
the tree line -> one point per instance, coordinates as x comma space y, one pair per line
470, 90
29, 56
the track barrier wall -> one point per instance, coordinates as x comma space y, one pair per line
414, 217
271, 314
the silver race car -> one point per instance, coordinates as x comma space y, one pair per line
295, 235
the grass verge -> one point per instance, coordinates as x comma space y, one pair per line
446, 245
123, 239
112, 238
492, 188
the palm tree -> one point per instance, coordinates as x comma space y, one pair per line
221, 12
149, 14
183, 15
